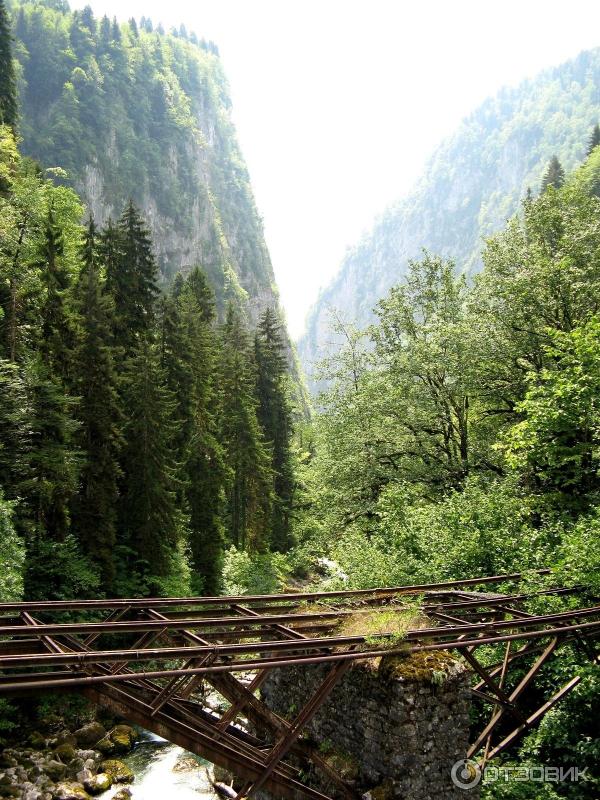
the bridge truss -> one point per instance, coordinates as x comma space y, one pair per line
154, 660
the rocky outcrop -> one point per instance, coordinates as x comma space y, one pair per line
472, 184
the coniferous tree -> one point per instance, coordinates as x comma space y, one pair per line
204, 465
56, 331
554, 175
249, 492
274, 414
131, 277
8, 85
189, 354
95, 384
594, 140
151, 525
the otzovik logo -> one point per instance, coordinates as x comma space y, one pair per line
466, 774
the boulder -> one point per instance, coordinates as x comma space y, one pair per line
118, 771
117, 741
65, 752
96, 784
90, 734
55, 769
123, 737
69, 790
36, 740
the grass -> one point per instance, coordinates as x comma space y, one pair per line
381, 627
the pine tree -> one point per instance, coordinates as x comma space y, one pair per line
275, 417
554, 175
594, 140
8, 84
249, 492
95, 384
150, 522
131, 277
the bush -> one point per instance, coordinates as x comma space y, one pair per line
12, 555
254, 573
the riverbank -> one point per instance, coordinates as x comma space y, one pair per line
69, 765
120, 763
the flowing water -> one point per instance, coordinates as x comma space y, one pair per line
164, 771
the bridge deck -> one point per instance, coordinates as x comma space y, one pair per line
151, 660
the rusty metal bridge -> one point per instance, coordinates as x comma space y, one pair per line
153, 660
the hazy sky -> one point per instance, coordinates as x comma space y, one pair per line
338, 103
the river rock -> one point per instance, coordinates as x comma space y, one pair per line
96, 784
65, 752
117, 741
122, 794
69, 790
90, 734
55, 769
37, 740
185, 764
118, 771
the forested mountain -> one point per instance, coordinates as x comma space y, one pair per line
130, 111
146, 420
472, 184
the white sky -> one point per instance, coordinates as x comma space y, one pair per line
338, 103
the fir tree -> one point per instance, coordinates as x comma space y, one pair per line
151, 524
594, 140
8, 85
274, 414
189, 354
554, 175
249, 494
94, 507
49, 482
131, 277
57, 330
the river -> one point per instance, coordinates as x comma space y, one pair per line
164, 771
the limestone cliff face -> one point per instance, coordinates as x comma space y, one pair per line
473, 183
136, 113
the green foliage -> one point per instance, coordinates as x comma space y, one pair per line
254, 573
275, 417
249, 490
554, 175
12, 556
459, 437
8, 88
555, 445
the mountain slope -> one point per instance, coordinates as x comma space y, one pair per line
138, 113
471, 185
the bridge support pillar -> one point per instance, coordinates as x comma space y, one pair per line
393, 727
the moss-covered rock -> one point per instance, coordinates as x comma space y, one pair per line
117, 770
123, 737
65, 752
429, 667
88, 735
96, 784
69, 790
55, 769
122, 794
37, 740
